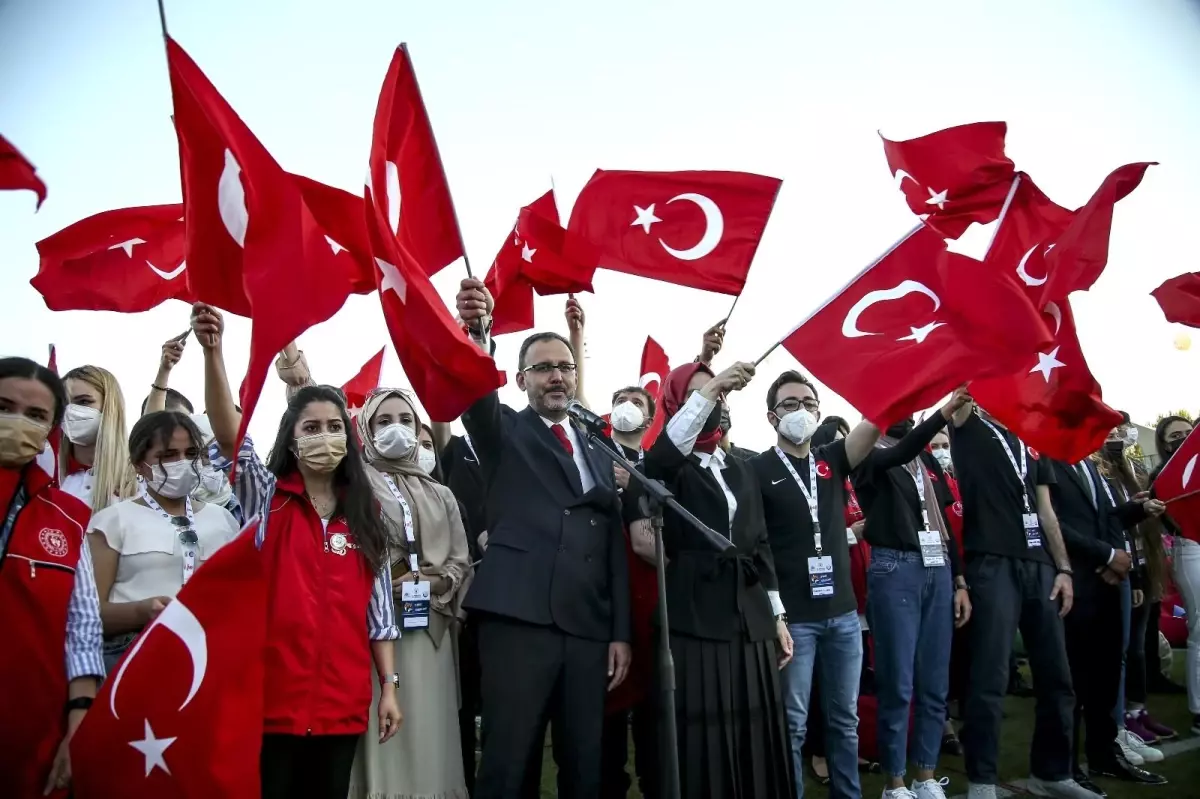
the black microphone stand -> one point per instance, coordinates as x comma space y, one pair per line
657, 497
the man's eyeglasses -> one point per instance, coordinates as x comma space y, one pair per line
792, 405
547, 368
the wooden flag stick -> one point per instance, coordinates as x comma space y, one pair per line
558, 213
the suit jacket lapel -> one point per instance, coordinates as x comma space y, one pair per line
734, 479
544, 438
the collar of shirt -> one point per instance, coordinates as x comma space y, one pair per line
716, 458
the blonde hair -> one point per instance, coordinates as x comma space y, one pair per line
112, 475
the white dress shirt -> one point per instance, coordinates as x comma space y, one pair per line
586, 480
683, 430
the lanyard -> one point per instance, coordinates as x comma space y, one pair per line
414, 564
187, 534
811, 498
1020, 471
919, 481
1103, 484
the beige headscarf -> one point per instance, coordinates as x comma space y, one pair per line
437, 522
917, 469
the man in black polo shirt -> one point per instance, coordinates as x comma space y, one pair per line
1019, 577
804, 504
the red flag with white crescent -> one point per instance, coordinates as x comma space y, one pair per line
17, 173
1178, 484
654, 370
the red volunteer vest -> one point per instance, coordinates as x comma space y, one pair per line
37, 576
318, 657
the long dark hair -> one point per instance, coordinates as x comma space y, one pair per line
32, 370
356, 500
1160, 441
157, 429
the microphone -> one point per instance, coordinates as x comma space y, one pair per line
590, 420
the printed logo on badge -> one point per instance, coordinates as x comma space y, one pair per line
823, 470
1033, 453
54, 542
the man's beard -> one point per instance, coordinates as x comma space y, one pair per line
551, 402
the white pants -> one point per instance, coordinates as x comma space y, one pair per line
1187, 578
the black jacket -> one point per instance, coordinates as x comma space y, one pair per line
721, 597
556, 556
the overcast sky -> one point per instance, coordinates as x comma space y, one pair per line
522, 91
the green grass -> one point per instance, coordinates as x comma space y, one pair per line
1183, 770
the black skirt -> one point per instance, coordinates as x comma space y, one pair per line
733, 741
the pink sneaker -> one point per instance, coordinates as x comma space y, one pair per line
1133, 723
1150, 725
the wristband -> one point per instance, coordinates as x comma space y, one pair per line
1067, 572
79, 703
156, 387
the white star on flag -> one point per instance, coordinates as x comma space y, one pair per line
392, 280
919, 334
527, 253
153, 749
937, 198
645, 217
1047, 363
333, 245
128, 246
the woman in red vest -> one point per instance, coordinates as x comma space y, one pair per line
331, 608
51, 662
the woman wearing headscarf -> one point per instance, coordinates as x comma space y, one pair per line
430, 564
50, 660
726, 640
93, 459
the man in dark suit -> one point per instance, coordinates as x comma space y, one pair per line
1093, 526
552, 595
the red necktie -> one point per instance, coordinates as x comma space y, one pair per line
561, 435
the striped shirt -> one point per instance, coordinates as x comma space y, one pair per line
254, 486
85, 633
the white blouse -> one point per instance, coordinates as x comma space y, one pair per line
151, 557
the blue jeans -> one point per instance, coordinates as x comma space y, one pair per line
837, 644
909, 608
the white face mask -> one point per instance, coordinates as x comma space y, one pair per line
427, 460
174, 480
627, 417
81, 424
798, 426
395, 441
943, 458
204, 426
1131, 436
214, 487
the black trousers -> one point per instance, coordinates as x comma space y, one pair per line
642, 722
1008, 594
307, 766
531, 676
1093, 629
1135, 655
468, 680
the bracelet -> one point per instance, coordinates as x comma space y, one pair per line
157, 387
79, 703
1067, 572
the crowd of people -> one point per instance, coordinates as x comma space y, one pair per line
421, 580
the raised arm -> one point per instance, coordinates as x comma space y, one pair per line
910, 447
482, 420
670, 451
172, 351
209, 327
860, 442
575, 323
292, 368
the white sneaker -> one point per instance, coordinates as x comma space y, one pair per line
1132, 742
1060, 789
930, 789
898, 793
981, 791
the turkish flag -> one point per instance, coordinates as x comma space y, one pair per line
654, 370
1179, 485
343, 221
406, 168
1052, 402
539, 255
126, 260
955, 176
697, 229
358, 387
17, 173
248, 223
48, 457
1179, 299
182, 716
913, 326
1053, 251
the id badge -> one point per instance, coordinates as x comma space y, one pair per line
932, 553
414, 598
1033, 530
820, 576
850, 539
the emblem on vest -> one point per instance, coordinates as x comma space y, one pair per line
339, 543
54, 542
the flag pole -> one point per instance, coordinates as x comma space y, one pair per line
838, 293
558, 214
441, 165
1012, 192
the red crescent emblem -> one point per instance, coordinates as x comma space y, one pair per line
54, 542
823, 470
1033, 453
956, 509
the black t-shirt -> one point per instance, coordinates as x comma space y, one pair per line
631, 505
993, 496
790, 530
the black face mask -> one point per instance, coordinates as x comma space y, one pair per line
901, 429
1114, 449
712, 422
1170, 446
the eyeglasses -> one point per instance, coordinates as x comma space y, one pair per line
792, 405
187, 535
547, 368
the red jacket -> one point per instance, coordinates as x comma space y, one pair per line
37, 577
318, 658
